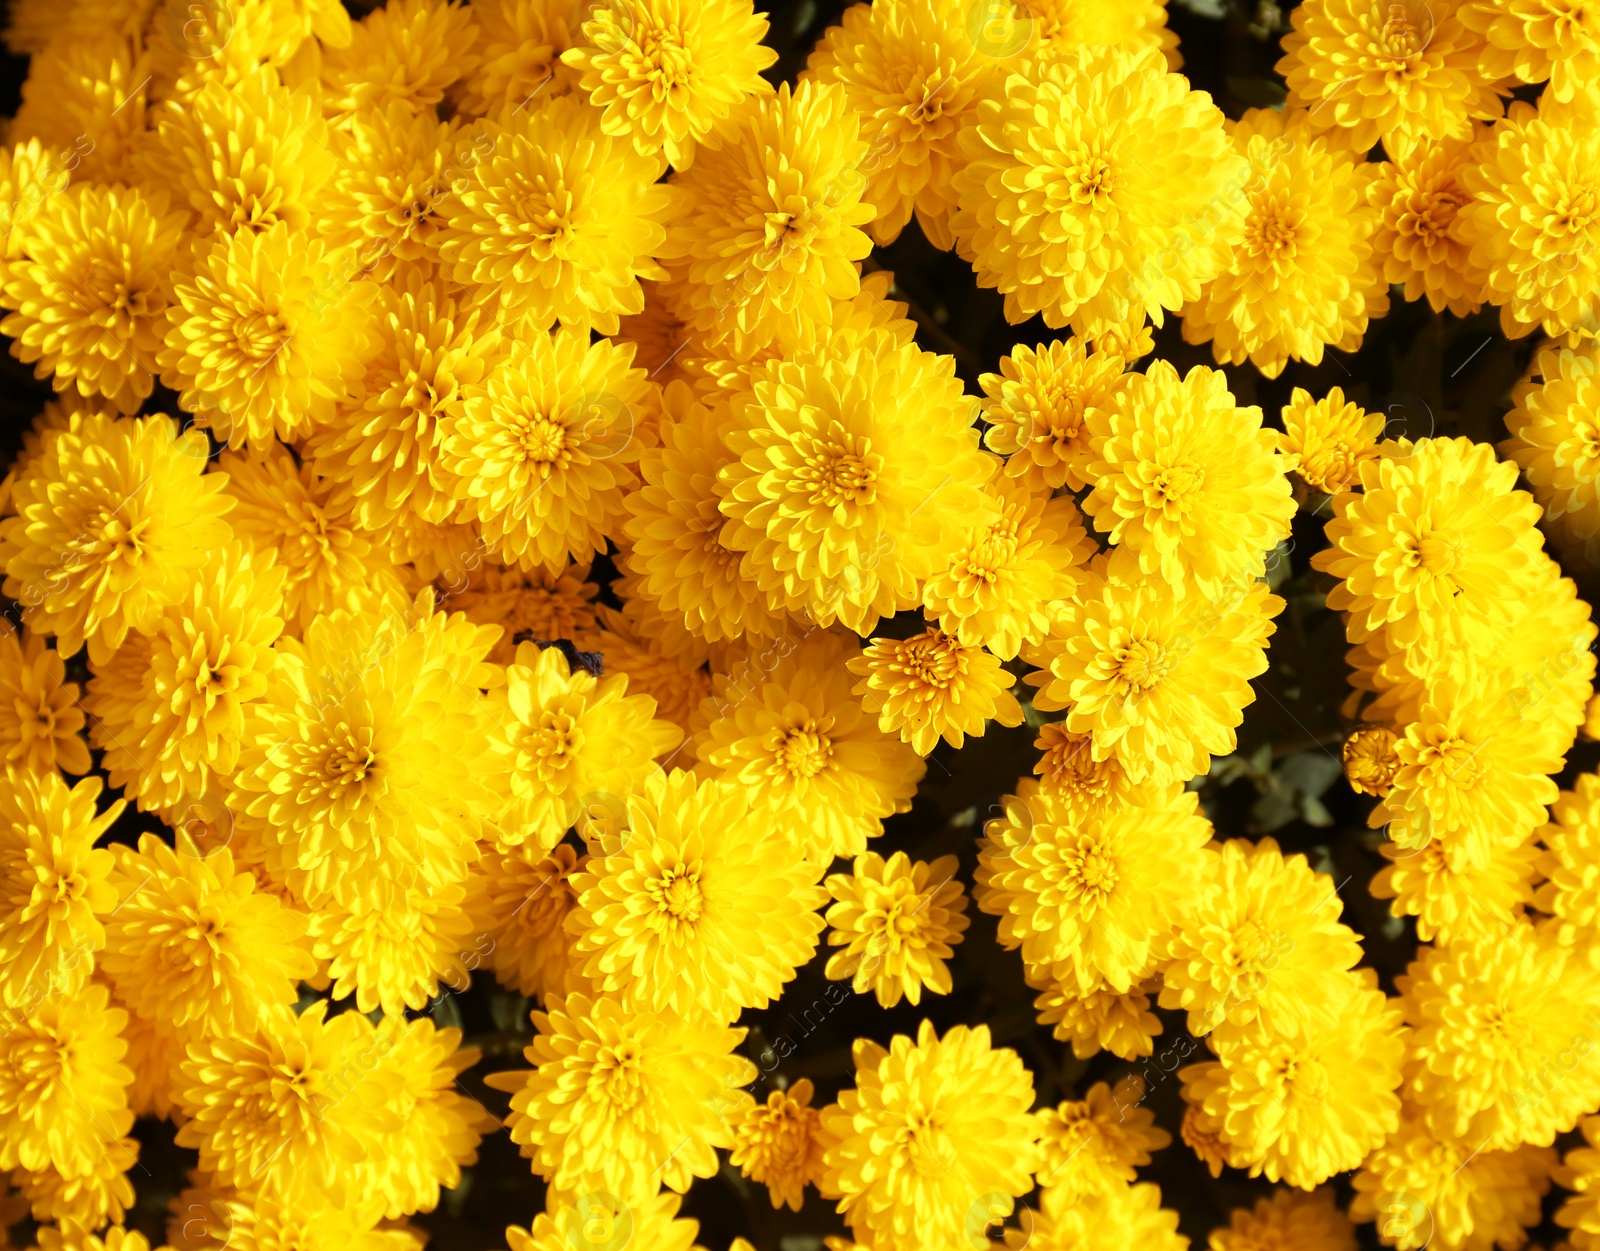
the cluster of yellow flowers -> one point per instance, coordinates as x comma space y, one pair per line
463, 307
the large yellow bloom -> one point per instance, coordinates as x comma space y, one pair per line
41, 723
912, 72
897, 922
91, 299
558, 221
1093, 899
113, 521
517, 59
1327, 440
1187, 480
1303, 276
931, 686
194, 945
768, 220
288, 511
1301, 1107
519, 900
1404, 73
1420, 239
1156, 679
1534, 222
268, 334
1264, 947
1534, 40
169, 707
63, 1087
86, 99
857, 473
56, 885
624, 1101
779, 1144
361, 767
667, 71
294, 1110
1502, 1050
1121, 205
1555, 439
543, 450
786, 728
904, 1188
407, 52
561, 740
700, 909
392, 952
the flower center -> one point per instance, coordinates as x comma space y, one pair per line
619, 1075
838, 471
806, 750
1440, 553
1091, 874
1142, 664
1090, 180
350, 761
677, 895
1271, 233
1402, 35
260, 336
543, 442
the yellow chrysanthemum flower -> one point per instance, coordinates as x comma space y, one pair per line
1496, 1056
700, 909
1420, 239
1122, 1216
169, 706
517, 59
313, 1138
519, 900
1436, 542
667, 71
599, 1215
1579, 1172
660, 1093
361, 767
31, 177
1294, 1127
558, 221
1303, 275
1052, 29
267, 336
932, 686
395, 954
194, 945
1263, 948
768, 220
676, 529
1473, 774
407, 52
113, 520
1093, 1145
1532, 222
1124, 201
976, 1136
383, 452
398, 167
786, 729
779, 1144
1187, 480
1534, 40
1450, 895
912, 72
1092, 900
1420, 1191
839, 454
1555, 439
1405, 74
561, 738
543, 450
90, 301
244, 156
897, 922
57, 885
63, 1087
997, 591
86, 99
1326, 440
1075, 779
90, 1201
1102, 1020
1288, 1220
1038, 407
287, 511
440, 1125
1570, 862
40, 721
1159, 681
